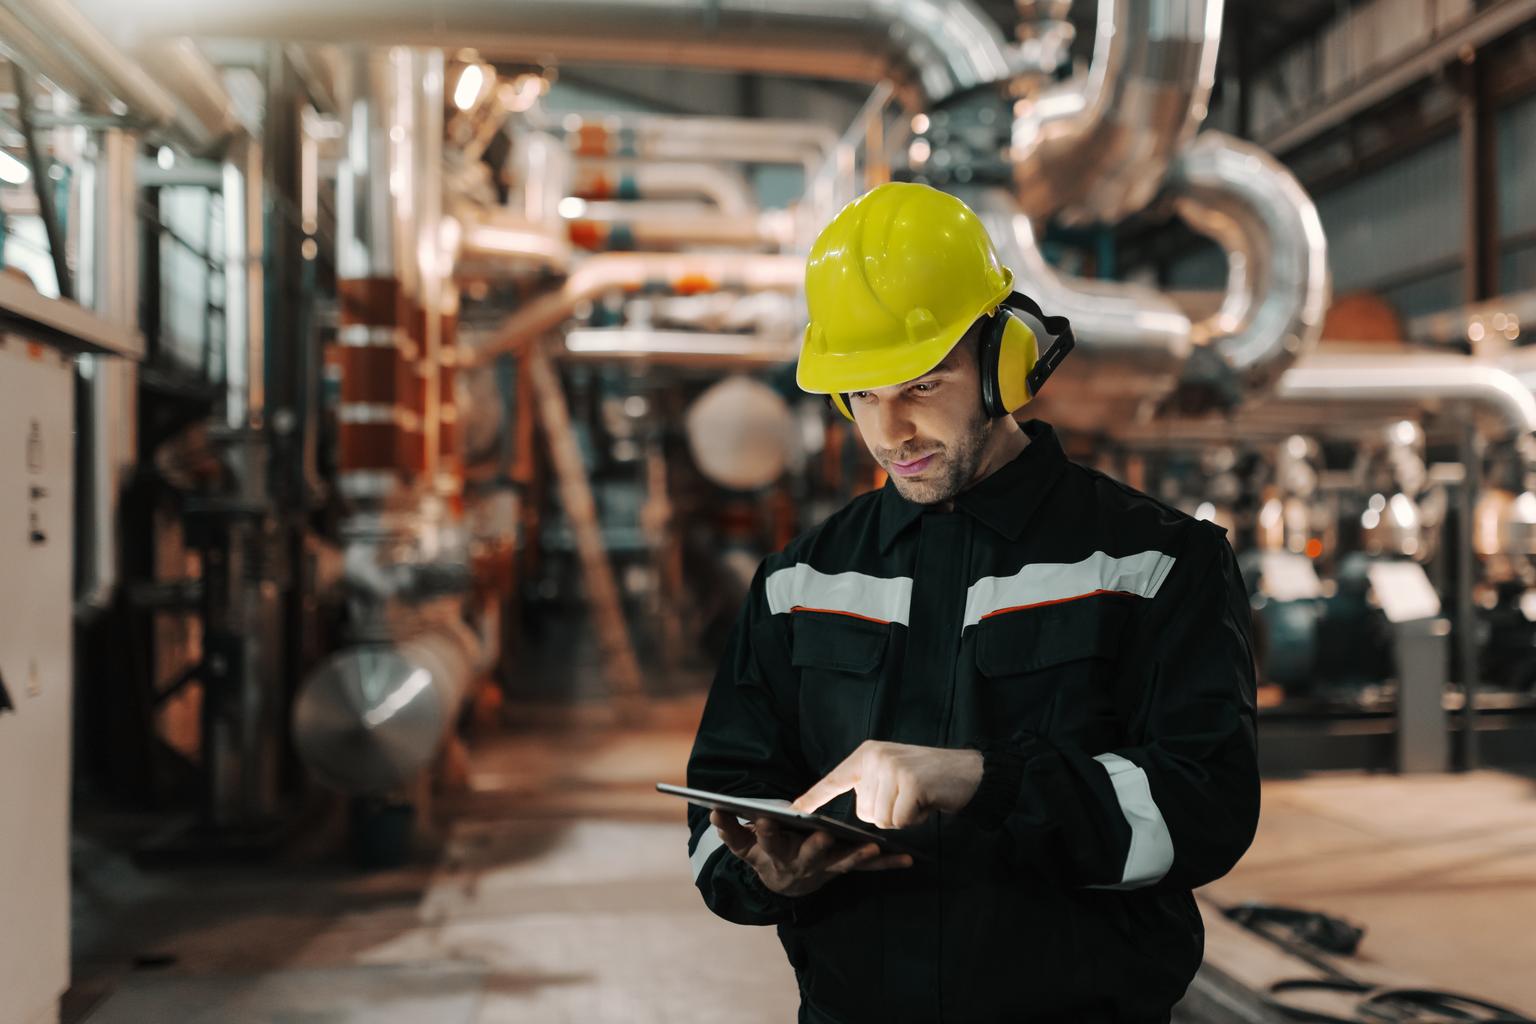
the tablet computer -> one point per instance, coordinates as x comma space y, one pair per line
783, 812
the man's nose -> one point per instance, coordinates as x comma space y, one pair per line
893, 427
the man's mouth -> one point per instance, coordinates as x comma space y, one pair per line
912, 468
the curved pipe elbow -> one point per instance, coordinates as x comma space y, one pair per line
1097, 149
1278, 284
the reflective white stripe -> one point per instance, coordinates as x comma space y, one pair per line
877, 598
1050, 582
1151, 852
709, 842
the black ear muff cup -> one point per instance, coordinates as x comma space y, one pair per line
988, 355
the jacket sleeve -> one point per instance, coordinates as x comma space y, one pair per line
1179, 803
747, 745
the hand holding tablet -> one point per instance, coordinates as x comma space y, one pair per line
784, 814
794, 853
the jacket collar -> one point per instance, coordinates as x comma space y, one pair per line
1004, 501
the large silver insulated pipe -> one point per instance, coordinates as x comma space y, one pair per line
1343, 391
1096, 148
166, 85
1138, 339
1132, 340
1278, 282
936, 48
371, 718
57, 39
1416, 377
205, 119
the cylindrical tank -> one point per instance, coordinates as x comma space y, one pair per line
372, 717
741, 434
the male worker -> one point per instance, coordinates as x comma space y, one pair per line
1039, 675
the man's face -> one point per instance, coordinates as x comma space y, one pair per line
930, 434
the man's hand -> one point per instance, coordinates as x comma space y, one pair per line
897, 785
793, 863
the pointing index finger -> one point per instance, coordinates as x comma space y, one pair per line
839, 781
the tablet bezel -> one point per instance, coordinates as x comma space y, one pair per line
800, 821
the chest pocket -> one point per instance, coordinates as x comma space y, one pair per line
1052, 670
839, 660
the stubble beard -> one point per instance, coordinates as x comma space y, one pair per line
955, 467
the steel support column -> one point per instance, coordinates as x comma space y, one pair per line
1479, 182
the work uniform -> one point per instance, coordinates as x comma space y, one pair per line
1094, 644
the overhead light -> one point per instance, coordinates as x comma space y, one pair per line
165, 158
13, 171
471, 79
572, 207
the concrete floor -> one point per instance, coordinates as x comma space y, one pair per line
1439, 869
560, 891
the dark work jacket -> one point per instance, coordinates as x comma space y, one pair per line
1094, 644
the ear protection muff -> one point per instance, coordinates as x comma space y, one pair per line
1008, 350
1013, 370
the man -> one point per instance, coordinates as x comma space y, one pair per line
1042, 677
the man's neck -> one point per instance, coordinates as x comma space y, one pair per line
1006, 443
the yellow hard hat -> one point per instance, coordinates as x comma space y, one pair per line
892, 284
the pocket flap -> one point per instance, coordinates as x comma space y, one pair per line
841, 642
1035, 638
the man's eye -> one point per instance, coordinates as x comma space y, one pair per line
859, 395
924, 388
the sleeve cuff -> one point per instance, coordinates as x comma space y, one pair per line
1002, 773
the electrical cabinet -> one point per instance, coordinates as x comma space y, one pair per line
36, 542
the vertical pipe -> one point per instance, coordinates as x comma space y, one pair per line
42, 183
430, 258
244, 335
376, 353
1466, 614
109, 407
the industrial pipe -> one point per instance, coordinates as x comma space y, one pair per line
72, 39
655, 137
1110, 319
1278, 284
492, 235
108, 409
372, 717
1132, 340
1412, 377
644, 226
204, 119
244, 319
696, 349
726, 188
606, 272
1096, 148
936, 48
